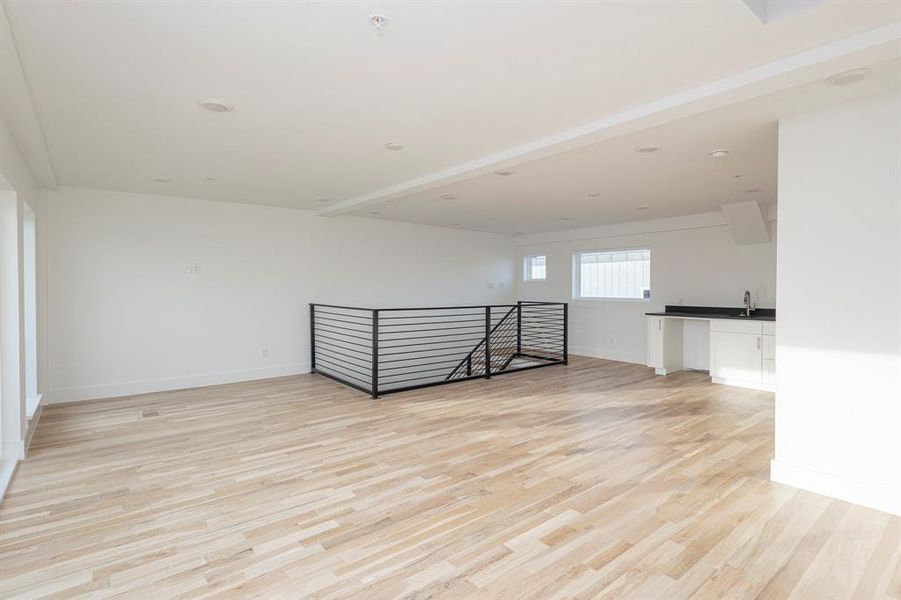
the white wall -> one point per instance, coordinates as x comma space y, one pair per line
694, 261
838, 344
126, 317
17, 188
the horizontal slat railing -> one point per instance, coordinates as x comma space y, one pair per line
341, 344
385, 350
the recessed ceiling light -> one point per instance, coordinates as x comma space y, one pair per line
322, 199
215, 105
210, 178
719, 153
751, 190
642, 207
504, 173
374, 212
394, 146
161, 180
378, 21
646, 149
848, 77
518, 233
594, 195
565, 218
448, 196
736, 177
455, 224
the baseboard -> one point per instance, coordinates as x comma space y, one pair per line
132, 388
763, 387
31, 405
32, 425
628, 357
7, 468
836, 486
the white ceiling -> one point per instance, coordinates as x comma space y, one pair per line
552, 194
318, 92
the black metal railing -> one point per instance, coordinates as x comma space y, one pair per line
382, 350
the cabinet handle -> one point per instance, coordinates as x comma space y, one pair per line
659, 324
758, 342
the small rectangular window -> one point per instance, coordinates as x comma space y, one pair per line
535, 268
613, 275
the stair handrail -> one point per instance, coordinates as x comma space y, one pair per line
479, 344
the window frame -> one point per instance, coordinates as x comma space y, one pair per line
577, 274
527, 270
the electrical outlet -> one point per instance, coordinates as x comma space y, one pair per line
265, 352
192, 268
490, 285
502, 285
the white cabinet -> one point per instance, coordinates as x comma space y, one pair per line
741, 354
769, 355
769, 373
655, 342
664, 344
735, 357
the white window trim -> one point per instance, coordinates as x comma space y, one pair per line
577, 276
526, 267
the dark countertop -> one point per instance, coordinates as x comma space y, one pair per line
716, 312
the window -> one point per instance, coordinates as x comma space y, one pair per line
614, 275
535, 268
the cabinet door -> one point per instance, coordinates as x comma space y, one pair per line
769, 371
655, 342
735, 356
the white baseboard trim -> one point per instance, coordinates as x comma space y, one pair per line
836, 486
763, 387
31, 405
7, 468
628, 357
31, 427
133, 388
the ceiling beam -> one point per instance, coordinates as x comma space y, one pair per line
875, 45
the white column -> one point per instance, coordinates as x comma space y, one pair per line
838, 342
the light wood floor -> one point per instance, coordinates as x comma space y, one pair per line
595, 480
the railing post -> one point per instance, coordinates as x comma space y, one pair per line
487, 342
519, 327
375, 353
566, 334
312, 338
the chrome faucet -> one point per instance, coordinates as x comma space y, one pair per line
747, 301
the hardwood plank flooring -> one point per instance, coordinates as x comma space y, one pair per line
595, 480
